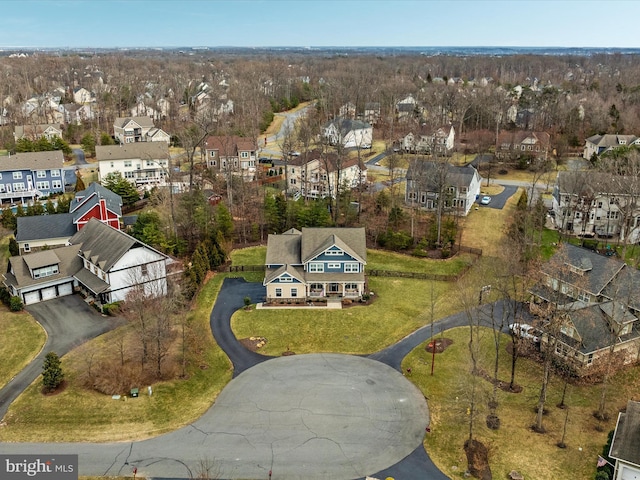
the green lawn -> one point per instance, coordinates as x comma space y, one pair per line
21, 340
400, 307
76, 414
514, 446
249, 256
381, 260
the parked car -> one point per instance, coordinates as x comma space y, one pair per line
526, 331
366, 146
293, 153
485, 200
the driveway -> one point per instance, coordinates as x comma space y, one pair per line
69, 322
79, 153
498, 201
305, 416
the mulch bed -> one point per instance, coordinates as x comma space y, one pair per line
441, 344
253, 343
504, 386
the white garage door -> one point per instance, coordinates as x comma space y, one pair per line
48, 293
31, 297
66, 289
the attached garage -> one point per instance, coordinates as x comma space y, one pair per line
31, 297
65, 289
48, 293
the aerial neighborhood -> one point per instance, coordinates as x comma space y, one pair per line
469, 228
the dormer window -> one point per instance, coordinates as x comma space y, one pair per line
45, 271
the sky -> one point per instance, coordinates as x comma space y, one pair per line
302, 23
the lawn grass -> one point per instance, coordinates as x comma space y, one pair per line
550, 239
485, 227
76, 414
514, 446
21, 340
381, 260
249, 256
357, 329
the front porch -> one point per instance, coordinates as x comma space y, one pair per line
334, 290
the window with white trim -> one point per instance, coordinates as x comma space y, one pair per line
317, 267
278, 292
294, 292
27, 247
42, 185
128, 163
19, 187
286, 279
56, 184
244, 154
333, 265
17, 175
55, 173
351, 267
41, 174
333, 252
129, 175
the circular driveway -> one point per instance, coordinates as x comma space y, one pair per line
316, 416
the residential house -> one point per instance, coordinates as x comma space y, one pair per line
36, 132
38, 232
28, 176
428, 182
625, 445
348, 133
372, 112
143, 164
231, 154
526, 145
315, 174
348, 110
406, 108
316, 263
440, 140
74, 114
138, 129
595, 298
597, 204
100, 260
599, 144
82, 96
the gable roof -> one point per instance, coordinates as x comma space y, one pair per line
32, 161
39, 227
230, 145
588, 183
346, 125
599, 269
68, 263
141, 150
103, 245
283, 249
350, 240
143, 121
86, 199
610, 140
30, 130
426, 172
295, 272
625, 445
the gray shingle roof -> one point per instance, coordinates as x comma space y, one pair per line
32, 161
625, 288
143, 121
90, 197
283, 249
351, 240
91, 281
68, 264
603, 270
590, 184
44, 258
103, 244
142, 150
427, 173
41, 227
626, 440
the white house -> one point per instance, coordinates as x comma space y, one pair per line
138, 129
81, 96
441, 140
143, 164
318, 175
431, 182
104, 262
599, 144
349, 133
35, 132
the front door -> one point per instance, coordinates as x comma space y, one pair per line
334, 288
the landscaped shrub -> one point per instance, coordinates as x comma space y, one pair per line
15, 304
395, 240
111, 309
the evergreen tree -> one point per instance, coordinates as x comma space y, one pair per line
14, 250
64, 203
117, 184
8, 219
224, 221
52, 374
49, 207
79, 183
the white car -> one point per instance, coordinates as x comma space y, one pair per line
524, 330
485, 200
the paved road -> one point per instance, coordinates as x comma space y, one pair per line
68, 322
317, 416
79, 153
